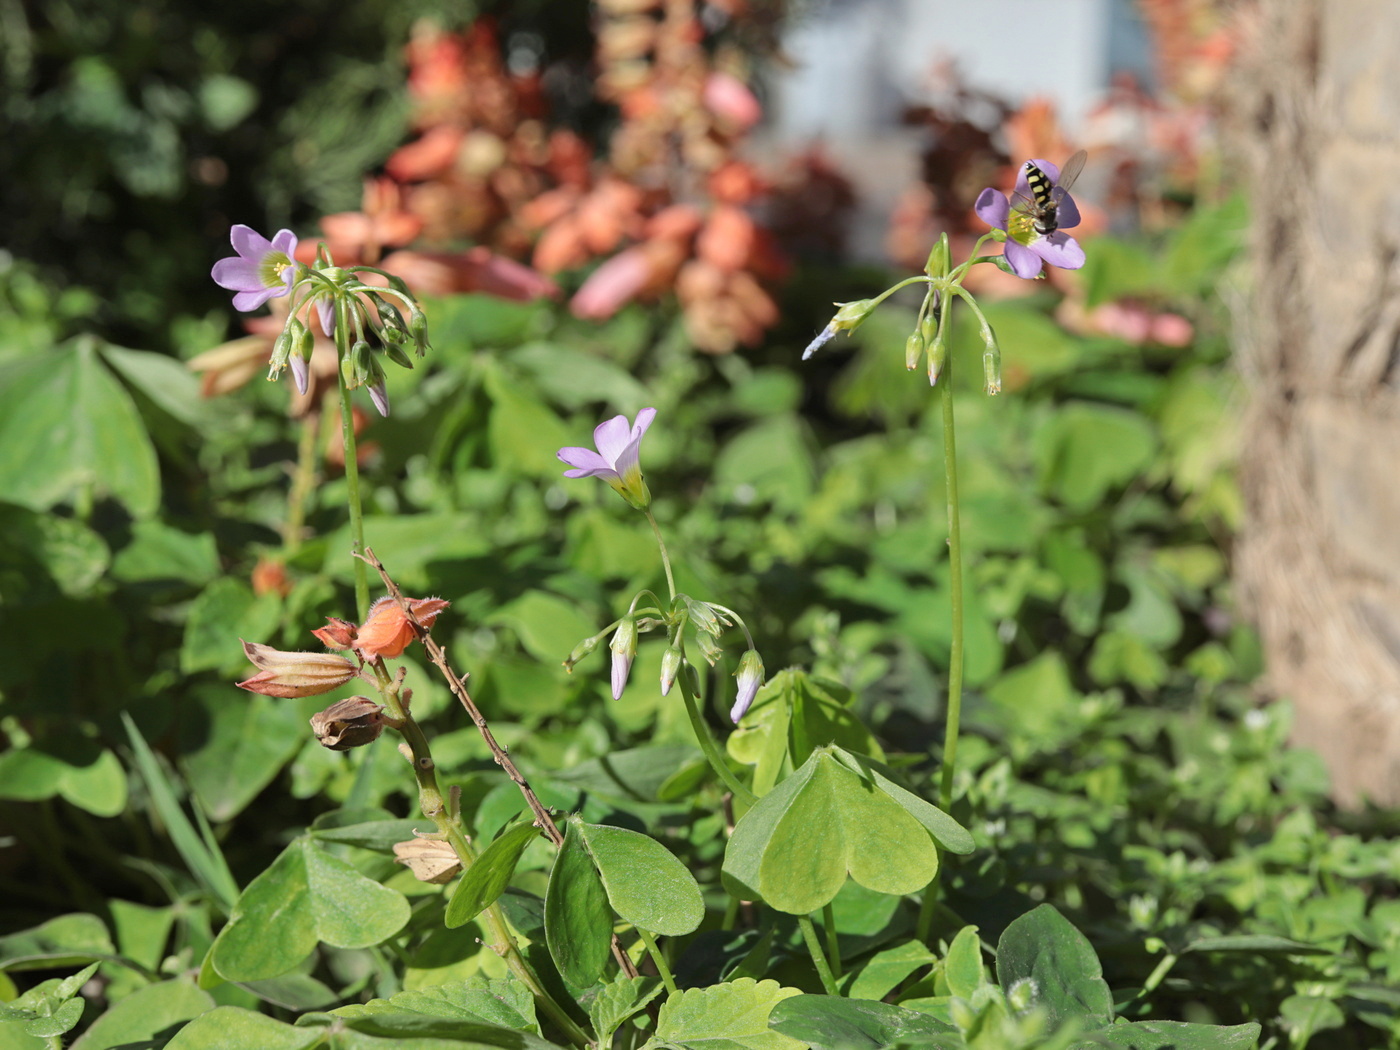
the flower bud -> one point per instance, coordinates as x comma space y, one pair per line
301, 376
670, 667
290, 675
749, 677
337, 634
850, 315
429, 857
938, 258
709, 647
937, 358
395, 353
348, 723
624, 650
704, 616
418, 326
281, 351
913, 350
362, 360
991, 370
581, 650
347, 372
379, 394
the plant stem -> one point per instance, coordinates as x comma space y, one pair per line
814, 947
352, 463
665, 557
708, 745
833, 946
449, 824
658, 958
955, 587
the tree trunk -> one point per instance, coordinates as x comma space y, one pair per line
1318, 111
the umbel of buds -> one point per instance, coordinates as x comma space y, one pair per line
346, 306
348, 723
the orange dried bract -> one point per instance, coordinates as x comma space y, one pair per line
387, 631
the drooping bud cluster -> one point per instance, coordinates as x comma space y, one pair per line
372, 322
706, 622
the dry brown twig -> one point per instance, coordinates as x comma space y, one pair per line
438, 656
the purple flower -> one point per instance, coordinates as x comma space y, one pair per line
616, 460
1026, 247
261, 270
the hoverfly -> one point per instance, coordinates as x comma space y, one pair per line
1042, 206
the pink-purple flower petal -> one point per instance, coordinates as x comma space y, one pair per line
1024, 262
1059, 249
585, 461
993, 208
261, 269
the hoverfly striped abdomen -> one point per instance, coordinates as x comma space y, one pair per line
1043, 204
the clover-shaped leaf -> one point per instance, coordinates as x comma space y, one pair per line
794, 849
307, 896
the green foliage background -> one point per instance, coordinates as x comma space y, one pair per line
1115, 764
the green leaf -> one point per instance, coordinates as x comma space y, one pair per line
827, 1022
201, 854
1177, 1035
159, 552
380, 835
1039, 699
962, 966
769, 460
165, 381
236, 744
575, 378
619, 1000
946, 831
548, 626
305, 896
233, 1028
1254, 943
78, 937
73, 432
1306, 1015
884, 971
486, 1000
1087, 449
90, 778
645, 882
141, 931
139, 1017
50, 1008
1067, 979
224, 612
46, 557
577, 922
488, 876
795, 846
524, 433
724, 1016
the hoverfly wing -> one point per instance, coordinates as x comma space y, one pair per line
1069, 173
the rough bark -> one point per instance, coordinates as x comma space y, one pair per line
1318, 119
